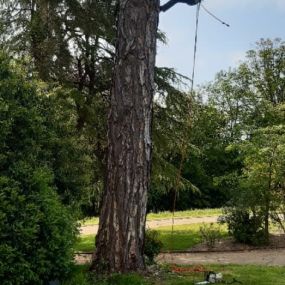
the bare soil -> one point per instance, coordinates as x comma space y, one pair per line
269, 257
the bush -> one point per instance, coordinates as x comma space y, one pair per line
210, 234
245, 227
36, 230
36, 234
152, 245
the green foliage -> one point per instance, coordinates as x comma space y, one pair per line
79, 276
245, 227
260, 186
37, 230
152, 245
210, 234
251, 97
171, 131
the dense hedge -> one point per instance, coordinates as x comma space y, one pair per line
37, 230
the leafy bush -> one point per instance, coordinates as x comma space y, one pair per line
36, 235
36, 230
245, 227
152, 245
210, 234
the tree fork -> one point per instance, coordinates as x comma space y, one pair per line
120, 239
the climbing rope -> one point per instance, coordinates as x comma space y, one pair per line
195, 45
184, 147
214, 16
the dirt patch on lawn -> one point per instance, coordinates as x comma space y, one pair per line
270, 257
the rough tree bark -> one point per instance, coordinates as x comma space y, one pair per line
120, 239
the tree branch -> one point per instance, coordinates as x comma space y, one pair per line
171, 3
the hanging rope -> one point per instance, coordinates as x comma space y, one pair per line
184, 143
214, 16
195, 45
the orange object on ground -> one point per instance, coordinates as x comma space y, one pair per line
178, 269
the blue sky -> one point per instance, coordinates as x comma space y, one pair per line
219, 47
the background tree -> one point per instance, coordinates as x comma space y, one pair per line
85, 31
252, 98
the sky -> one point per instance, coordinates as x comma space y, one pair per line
219, 47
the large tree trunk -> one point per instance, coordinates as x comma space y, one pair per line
120, 239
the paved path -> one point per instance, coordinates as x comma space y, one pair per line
89, 230
272, 257
268, 257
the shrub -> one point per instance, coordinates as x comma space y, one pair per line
36, 234
245, 227
152, 245
36, 230
210, 234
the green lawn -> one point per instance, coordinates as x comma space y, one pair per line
184, 237
185, 214
167, 215
247, 274
85, 243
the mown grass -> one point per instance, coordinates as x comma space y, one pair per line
166, 215
198, 213
183, 237
85, 243
247, 274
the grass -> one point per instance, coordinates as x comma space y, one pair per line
185, 214
85, 243
184, 237
167, 215
247, 274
